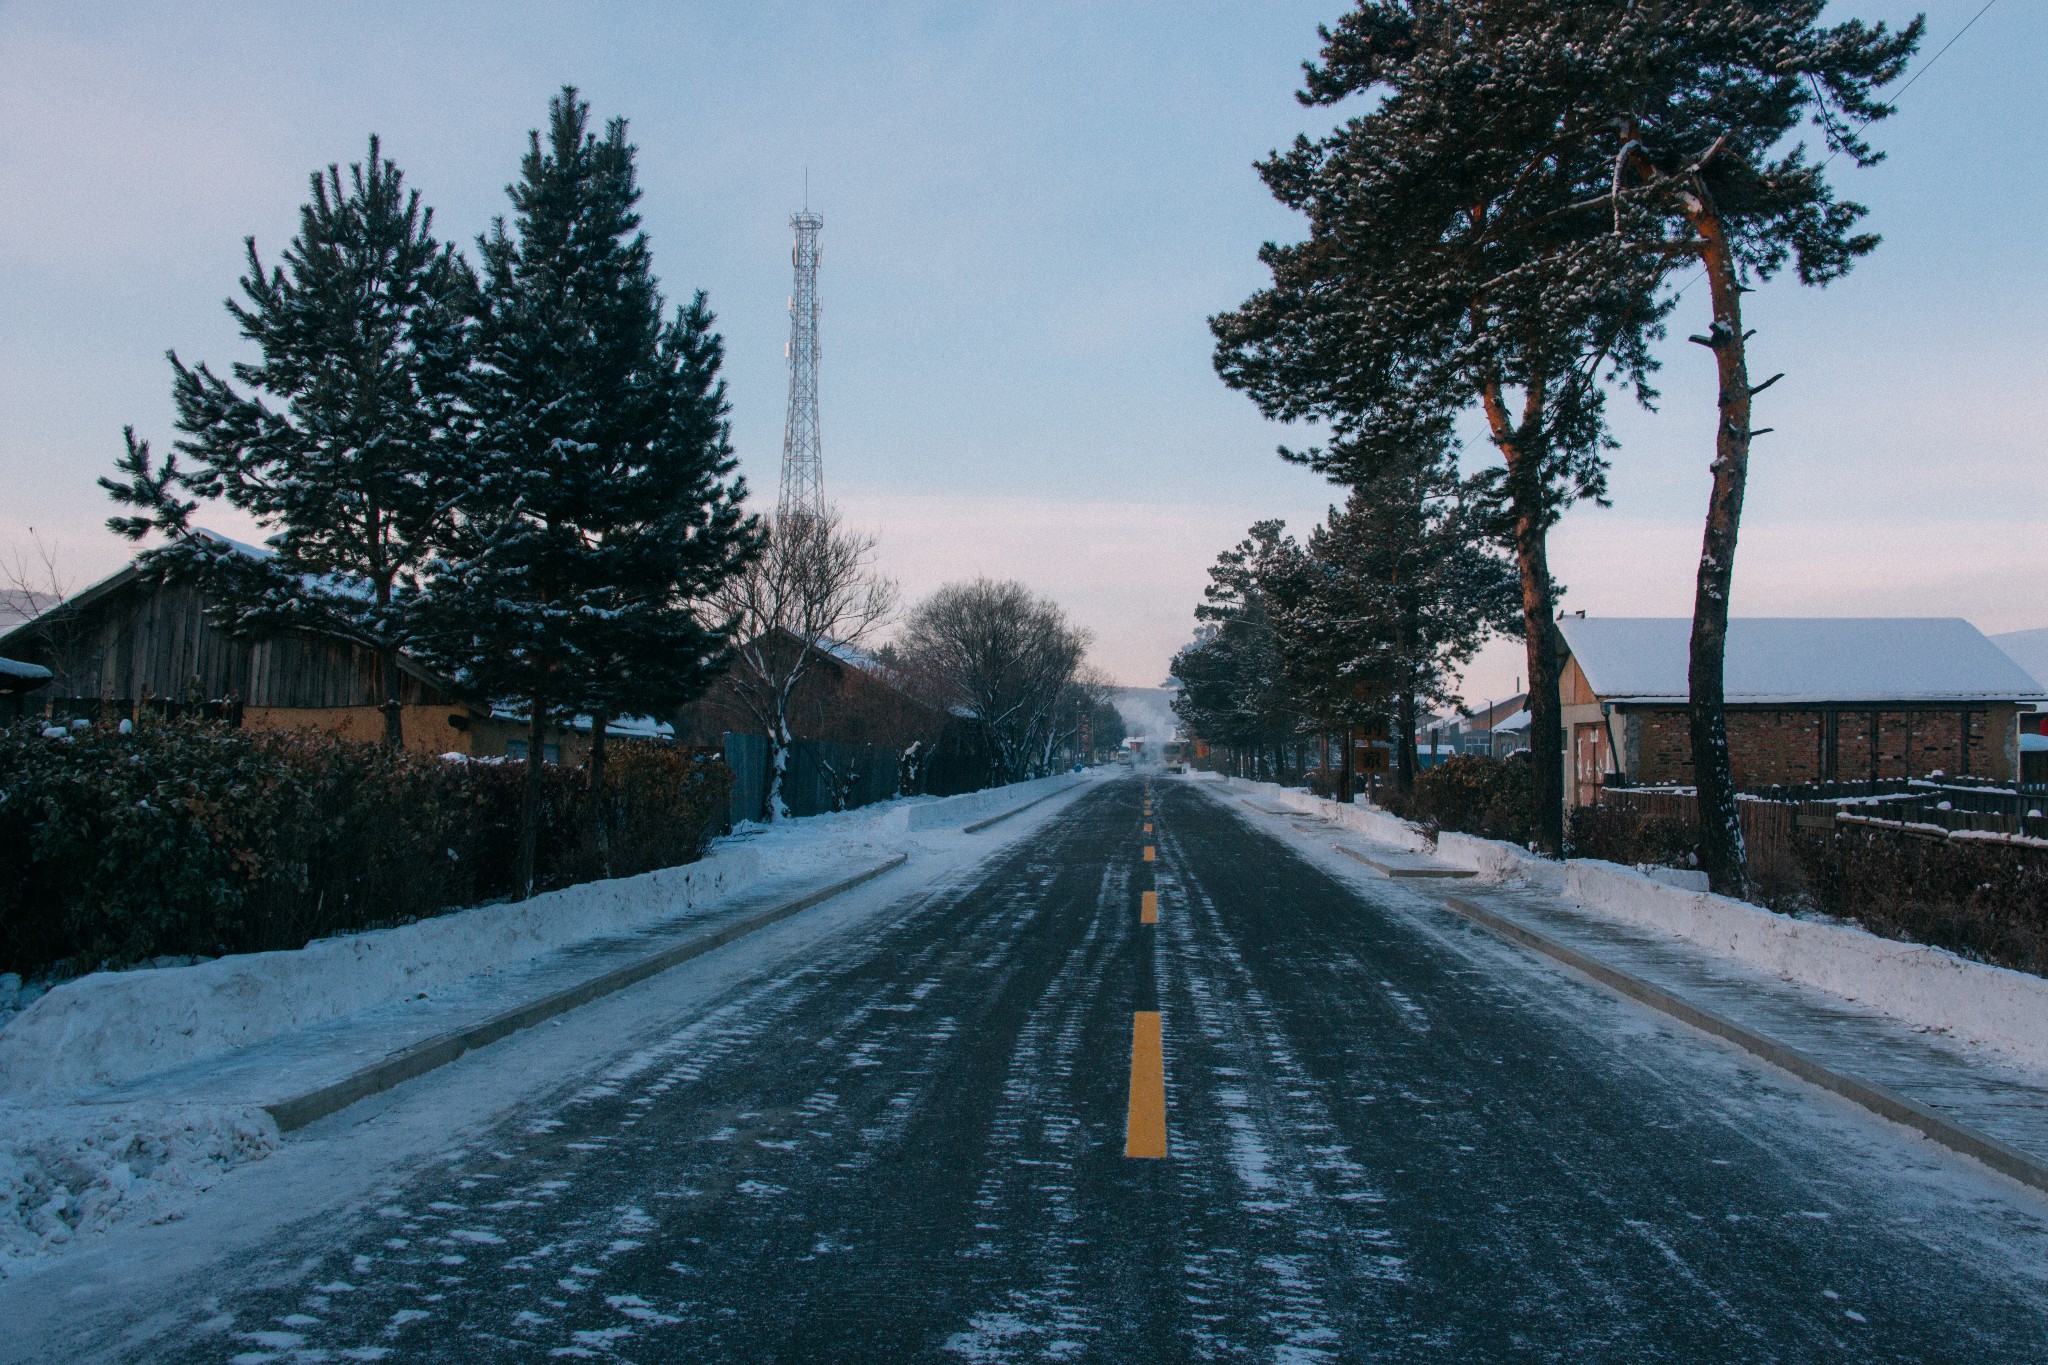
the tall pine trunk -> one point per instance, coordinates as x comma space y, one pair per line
393, 709
1404, 717
1531, 515
600, 808
1722, 854
529, 806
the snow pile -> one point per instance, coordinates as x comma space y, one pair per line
111, 1027
76, 1172
1490, 859
1927, 987
70, 1166
937, 812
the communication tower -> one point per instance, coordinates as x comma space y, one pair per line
803, 467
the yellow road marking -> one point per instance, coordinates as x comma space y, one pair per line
1151, 854
1148, 908
1145, 1135
1148, 826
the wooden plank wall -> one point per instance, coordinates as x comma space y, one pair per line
146, 641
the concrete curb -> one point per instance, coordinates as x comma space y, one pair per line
1885, 1103
421, 1058
979, 825
1395, 870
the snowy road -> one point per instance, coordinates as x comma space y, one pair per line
1389, 1137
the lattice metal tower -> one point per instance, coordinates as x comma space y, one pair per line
803, 466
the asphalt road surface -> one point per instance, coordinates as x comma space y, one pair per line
1384, 1136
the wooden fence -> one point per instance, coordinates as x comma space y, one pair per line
1932, 810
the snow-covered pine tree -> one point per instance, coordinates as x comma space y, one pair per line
342, 442
1698, 102
1233, 689
604, 509
1397, 591
1439, 275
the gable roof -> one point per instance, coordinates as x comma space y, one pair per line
51, 609
1793, 660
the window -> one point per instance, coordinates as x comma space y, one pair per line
1589, 748
515, 749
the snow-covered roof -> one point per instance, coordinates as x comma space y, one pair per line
16, 676
1792, 660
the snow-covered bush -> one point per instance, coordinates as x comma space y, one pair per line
190, 837
1471, 794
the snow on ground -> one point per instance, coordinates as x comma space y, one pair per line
73, 1164
70, 1173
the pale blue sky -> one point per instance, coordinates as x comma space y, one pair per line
1030, 212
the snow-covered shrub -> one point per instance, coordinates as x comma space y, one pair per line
190, 837
1471, 794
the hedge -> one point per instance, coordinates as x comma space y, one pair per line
1471, 794
1981, 898
191, 838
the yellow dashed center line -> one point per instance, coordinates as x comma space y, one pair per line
1148, 908
1151, 854
1145, 1135
1148, 826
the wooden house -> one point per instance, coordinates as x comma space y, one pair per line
129, 640
1808, 700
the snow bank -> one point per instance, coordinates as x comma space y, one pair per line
938, 812
111, 1027
1928, 988
68, 1174
1490, 859
71, 1166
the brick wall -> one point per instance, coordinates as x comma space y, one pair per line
1767, 747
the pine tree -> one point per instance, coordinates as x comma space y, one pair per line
343, 446
1395, 593
1504, 224
1234, 691
1701, 99
604, 511
1439, 275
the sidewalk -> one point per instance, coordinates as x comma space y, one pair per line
1969, 1098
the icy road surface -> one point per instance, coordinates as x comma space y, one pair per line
903, 1138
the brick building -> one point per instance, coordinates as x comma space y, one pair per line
1809, 700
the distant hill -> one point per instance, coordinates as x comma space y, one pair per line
2028, 649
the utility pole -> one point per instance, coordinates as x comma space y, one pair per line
803, 466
